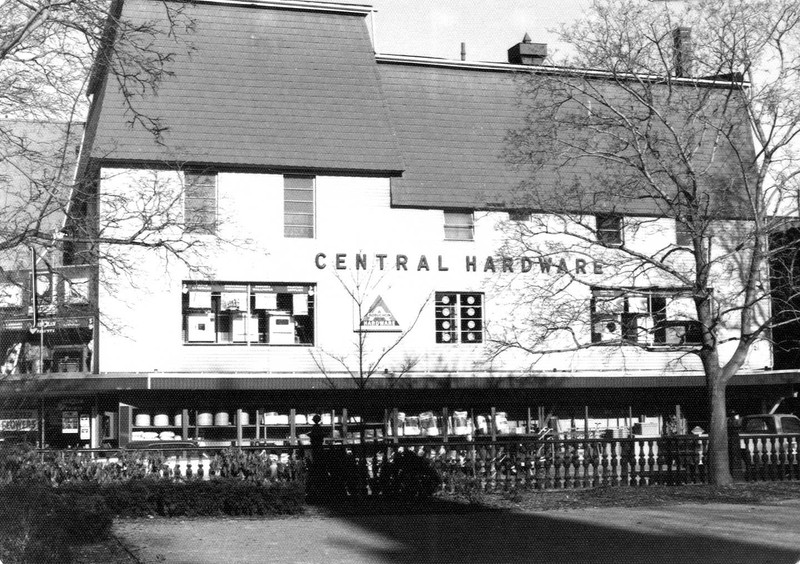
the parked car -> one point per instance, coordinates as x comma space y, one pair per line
161, 445
770, 424
757, 431
789, 404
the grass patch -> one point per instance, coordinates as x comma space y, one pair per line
645, 496
40, 523
43, 524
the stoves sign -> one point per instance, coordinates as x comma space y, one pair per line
19, 420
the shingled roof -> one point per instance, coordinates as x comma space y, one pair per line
255, 86
454, 122
451, 124
289, 87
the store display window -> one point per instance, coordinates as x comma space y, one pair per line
260, 313
459, 317
650, 317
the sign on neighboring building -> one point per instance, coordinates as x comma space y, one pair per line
85, 426
69, 422
19, 420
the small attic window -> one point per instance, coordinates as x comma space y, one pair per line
609, 229
683, 234
459, 226
200, 201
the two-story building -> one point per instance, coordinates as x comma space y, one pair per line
46, 319
318, 228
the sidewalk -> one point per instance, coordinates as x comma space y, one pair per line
689, 533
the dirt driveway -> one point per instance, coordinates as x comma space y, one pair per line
690, 533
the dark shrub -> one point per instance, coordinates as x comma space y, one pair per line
408, 476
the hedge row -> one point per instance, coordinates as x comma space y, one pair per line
40, 523
137, 498
24, 464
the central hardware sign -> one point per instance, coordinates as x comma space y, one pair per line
470, 263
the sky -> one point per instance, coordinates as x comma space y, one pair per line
436, 28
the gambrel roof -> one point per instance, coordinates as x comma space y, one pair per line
257, 87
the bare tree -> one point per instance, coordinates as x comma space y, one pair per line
373, 345
51, 53
668, 134
55, 59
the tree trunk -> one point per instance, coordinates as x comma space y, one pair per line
719, 473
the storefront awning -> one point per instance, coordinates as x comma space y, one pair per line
56, 384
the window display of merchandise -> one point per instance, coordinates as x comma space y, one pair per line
458, 425
222, 428
253, 427
652, 317
469, 425
262, 313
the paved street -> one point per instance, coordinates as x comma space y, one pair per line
691, 533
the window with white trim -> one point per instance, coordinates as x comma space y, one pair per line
650, 317
609, 229
200, 201
298, 206
459, 317
253, 313
459, 226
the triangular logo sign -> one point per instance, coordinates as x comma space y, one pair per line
379, 318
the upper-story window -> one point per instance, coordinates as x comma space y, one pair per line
264, 312
683, 234
649, 317
609, 229
10, 295
298, 206
519, 215
459, 317
200, 201
459, 226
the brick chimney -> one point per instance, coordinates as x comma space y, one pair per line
527, 53
682, 51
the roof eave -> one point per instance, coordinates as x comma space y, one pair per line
547, 69
305, 5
